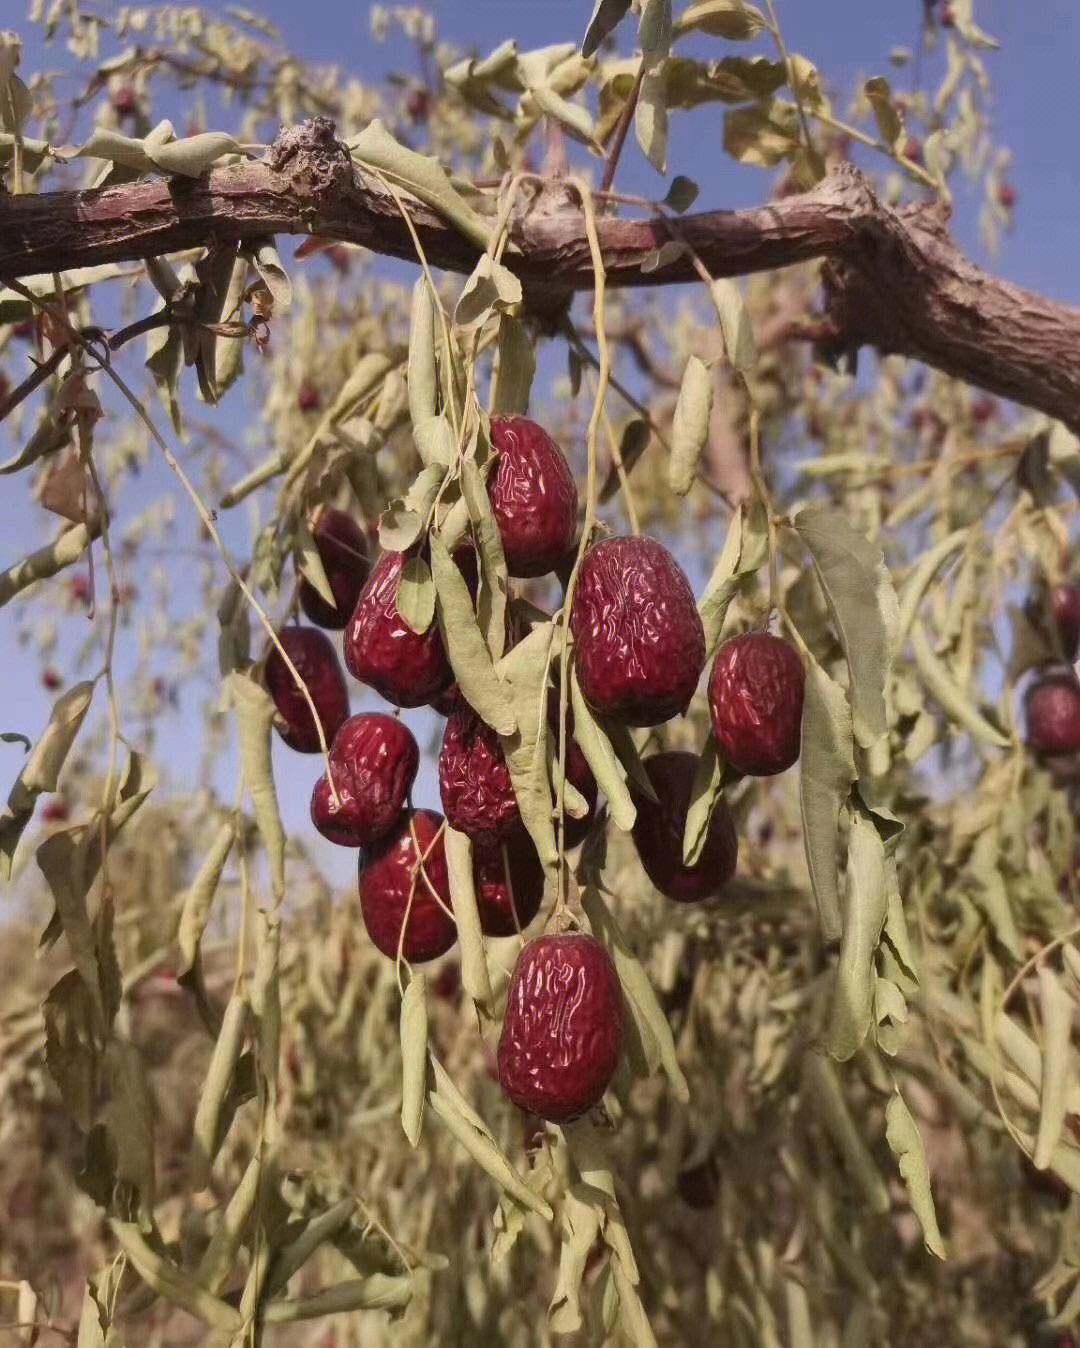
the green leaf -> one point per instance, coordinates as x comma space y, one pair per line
826, 1097
469, 656
643, 1003
423, 379
575, 118
129, 1117
403, 520
1055, 1008
851, 1001
310, 564
516, 355
494, 581
745, 549
524, 669
211, 1111
733, 20
902, 1135
735, 324
654, 31
762, 134
952, 699
423, 176
41, 771
490, 288
690, 425
73, 1045
435, 441
415, 597
606, 15
827, 774
989, 893
633, 442
705, 794
601, 757
14, 737
474, 969
880, 97
193, 155
414, 1055
255, 710
861, 598
470, 1130
919, 580
195, 909
651, 120
682, 194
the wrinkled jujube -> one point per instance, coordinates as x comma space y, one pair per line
533, 497
639, 642
393, 883
342, 546
660, 825
317, 664
562, 1035
756, 701
382, 650
1055, 611
373, 762
474, 781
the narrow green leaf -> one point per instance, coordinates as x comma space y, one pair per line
525, 668
402, 522
601, 757
851, 1001
883, 105
1056, 1010
474, 969
415, 597
309, 562
733, 20
195, 909
690, 426
210, 1111
422, 175
465, 646
490, 288
745, 549
435, 441
651, 120
827, 1100
861, 598
515, 368
952, 699
705, 793
734, 324
494, 581
827, 774
414, 1055
606, 16
254, 710
423, 380
654, 31
644, 1005
902, 1135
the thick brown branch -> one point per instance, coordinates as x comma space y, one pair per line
894, 280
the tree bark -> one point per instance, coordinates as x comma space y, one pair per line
893, 280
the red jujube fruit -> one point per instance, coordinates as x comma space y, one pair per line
317, 664
638, 639
401, 885
474, 781
509, 883
381, 649
343, 551
756, 701
562, 1035
533, 497
373, 762
1052, 708
660, 825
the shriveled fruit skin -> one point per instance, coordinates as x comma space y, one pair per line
474, 780
660, 825
756, 701
563, 1030
1052, 707
343, 551
382, 650
317, 664
533, 497
639, 642
392, 884
508, 879
373, 762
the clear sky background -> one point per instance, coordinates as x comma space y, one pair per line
1034, 107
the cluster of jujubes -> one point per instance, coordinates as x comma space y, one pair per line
1052, 701
639, 652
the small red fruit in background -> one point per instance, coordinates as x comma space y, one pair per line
50, 679
317, 664
639, 642
381, 649
660, 825
123, 101
55, 811
562, 1035
1061, 616
308, 397
474, 781
947, 18
1006, 195
756, 702
343, 551
1052, 707
533, 497
373, 762
80, 587
913, 149
509, 883
400, 885
418, 105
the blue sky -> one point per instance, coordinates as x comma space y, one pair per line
1034, 108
